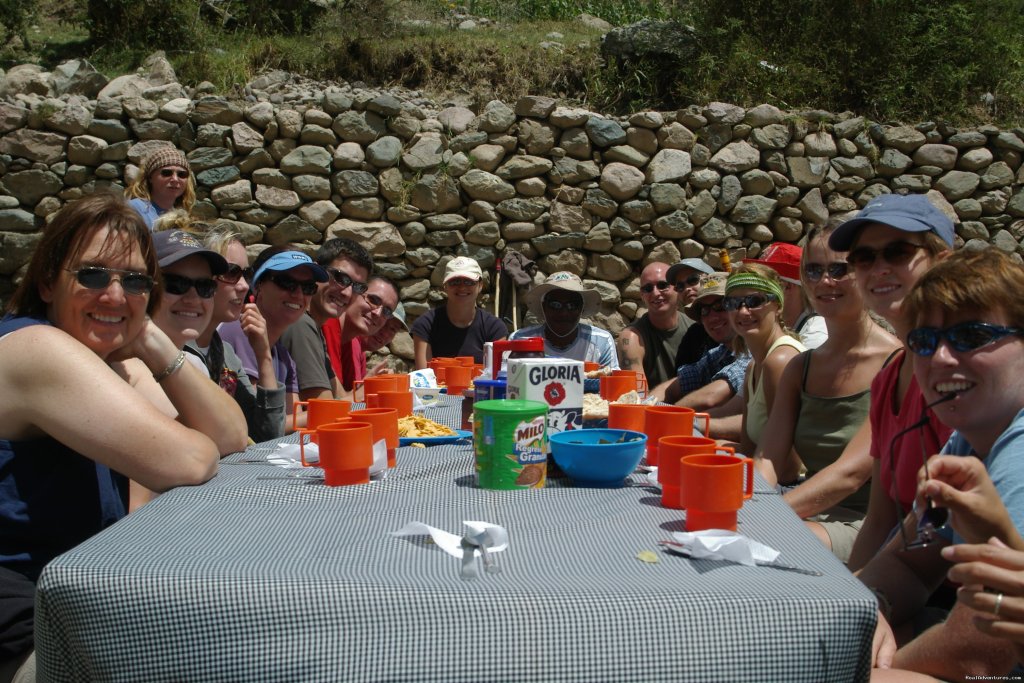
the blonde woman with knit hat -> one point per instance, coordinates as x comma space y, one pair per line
165, 182
753, 299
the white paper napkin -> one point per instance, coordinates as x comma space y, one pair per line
491, 536
719, 544
422, 378
288, 457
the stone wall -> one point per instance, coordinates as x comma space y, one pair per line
416, 182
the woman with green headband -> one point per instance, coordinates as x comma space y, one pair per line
753, 299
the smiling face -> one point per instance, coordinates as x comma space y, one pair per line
986, 381
463, 291
660, 302
716, 323
756, 322
230, 297
562, 311
102, 319
884, 286
830, 297
331, 299
280, 307
183, 317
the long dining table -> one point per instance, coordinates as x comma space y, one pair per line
261, 576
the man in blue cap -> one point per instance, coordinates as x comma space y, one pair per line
283, 285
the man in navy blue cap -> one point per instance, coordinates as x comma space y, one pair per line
283, 285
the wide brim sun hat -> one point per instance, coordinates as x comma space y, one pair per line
566, 281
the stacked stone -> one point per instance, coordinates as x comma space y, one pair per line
299, 162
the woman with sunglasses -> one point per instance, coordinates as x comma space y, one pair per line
85, 373
164, 183
823, 400
262, 401
753, 299
891, 243
458, 327
966, 339
284, 282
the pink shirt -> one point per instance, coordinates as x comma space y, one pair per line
885, 424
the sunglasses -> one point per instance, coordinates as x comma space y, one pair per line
750, 301
179, 285
344, 281
662, 285
94, 277
691, 281
894, 253
962, 338
705, 309
556, 305
461, 282
290, 284
169, 172
836, 270
234, 274
377, 302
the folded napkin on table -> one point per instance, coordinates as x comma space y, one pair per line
719, 544
287, 456
479, 534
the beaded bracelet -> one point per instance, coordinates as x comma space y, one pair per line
178, 361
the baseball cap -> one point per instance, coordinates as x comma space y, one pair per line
783, 258
693, 263
174, 245
909, 213
462, 266
287, 260
399, 315
711, 286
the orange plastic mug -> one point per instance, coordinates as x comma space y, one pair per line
372, 385
590, 366
401, 401
613, 386
320, 411
671, 451
629, 416
662, 421
385, 426
458, 378
466, 361
401, 380
639, 380
714, 490
346, 452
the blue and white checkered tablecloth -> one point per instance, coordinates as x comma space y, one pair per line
249, 579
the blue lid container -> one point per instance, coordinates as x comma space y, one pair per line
489, 389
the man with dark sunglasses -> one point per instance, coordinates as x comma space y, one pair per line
349, 265
283, 284
650, 343
365, 315
687, 277
714, 383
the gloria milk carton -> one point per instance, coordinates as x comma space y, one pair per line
556, 382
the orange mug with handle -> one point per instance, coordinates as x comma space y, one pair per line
401, 401
614, 386
346, 452
639, 380
714, 490
458, 378
372, 385
671, 451
401, 380
320, 411
668, 421
629, 416
385, 426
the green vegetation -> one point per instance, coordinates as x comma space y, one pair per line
958, 60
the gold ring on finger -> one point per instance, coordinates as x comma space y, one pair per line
999, 603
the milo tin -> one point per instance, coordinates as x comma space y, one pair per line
511, 444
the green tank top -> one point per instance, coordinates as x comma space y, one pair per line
824, 427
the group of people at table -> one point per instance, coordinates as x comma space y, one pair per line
139, 348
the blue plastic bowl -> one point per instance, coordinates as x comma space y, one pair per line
598, 457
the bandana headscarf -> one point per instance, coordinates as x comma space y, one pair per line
753, 281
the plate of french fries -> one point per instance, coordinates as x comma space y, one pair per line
416, 429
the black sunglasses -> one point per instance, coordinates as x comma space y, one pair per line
234, 274
344, 280
179, 285
132, 282
290, 284
556, 305
691, 281
932, 518
377, 302
750, 301
716, 307
168, 172
662, 285
962, 338
836, 270
895, 254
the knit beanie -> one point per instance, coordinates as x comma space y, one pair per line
165, 156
